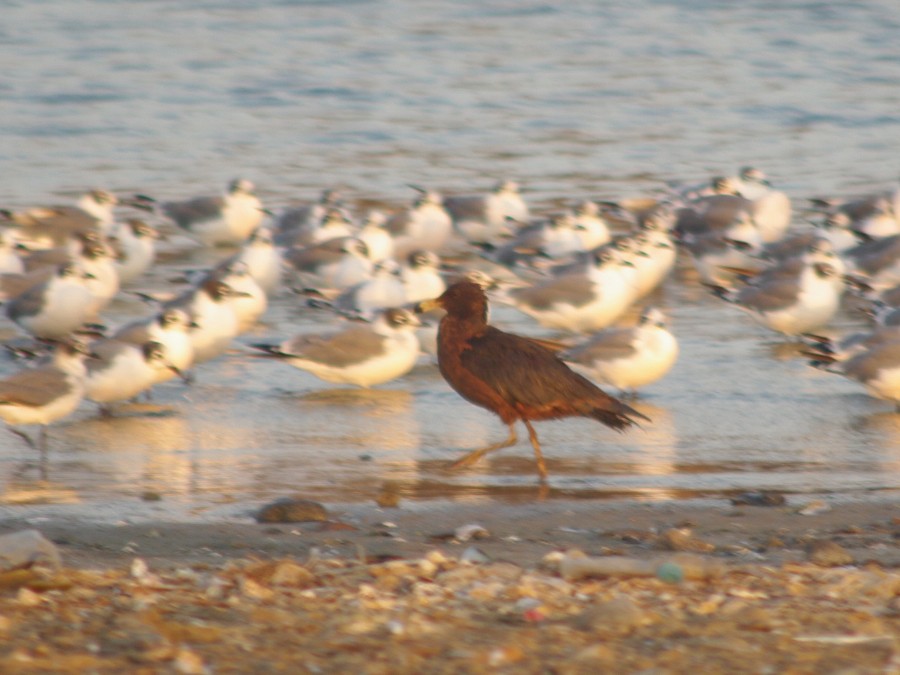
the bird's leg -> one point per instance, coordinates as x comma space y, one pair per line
25, 437
538, 455
42, 466
475, 455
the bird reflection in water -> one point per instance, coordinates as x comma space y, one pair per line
376, 420
881, 435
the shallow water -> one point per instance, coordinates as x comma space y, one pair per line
584, 99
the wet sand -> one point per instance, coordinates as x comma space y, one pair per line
521, 533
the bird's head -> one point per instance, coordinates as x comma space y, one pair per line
464, 299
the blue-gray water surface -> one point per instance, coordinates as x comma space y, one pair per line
575, 100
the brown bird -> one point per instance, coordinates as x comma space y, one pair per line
514, 377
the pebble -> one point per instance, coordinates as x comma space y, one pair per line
474, 555
681, 539
388, 497
189, 663
611, 618
471, 531
28, 598
438, 612
814, 507
670, 572
463, 533
290, 510
762, 498
827, 553
23, 548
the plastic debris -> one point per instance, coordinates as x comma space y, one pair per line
676, 568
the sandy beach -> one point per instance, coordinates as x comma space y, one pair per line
809, 586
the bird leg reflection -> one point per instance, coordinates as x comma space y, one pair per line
475, 455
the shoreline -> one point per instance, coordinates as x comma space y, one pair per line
519, 532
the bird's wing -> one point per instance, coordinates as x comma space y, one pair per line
349, 347
51, 257
398, 223
866, 366
293, 218
465, 207
775, 295
552, 345
195, 210
571, 289
34, 387
787, 269
12, 285
105, 351
608, 345
310, 257
880, 254
136, 332
524, 372
29, 302
68, 218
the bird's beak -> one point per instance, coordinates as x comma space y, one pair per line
179, 372
142, 202
428, 305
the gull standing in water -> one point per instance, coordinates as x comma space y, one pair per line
424, 225
46, 392
121, 370
580, 302
223, 220
628, 358
362, 354
797, 296
487, 217
54, 308
170, 328
50, 226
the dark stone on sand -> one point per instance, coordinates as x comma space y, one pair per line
759, 499
290, 510
827, 553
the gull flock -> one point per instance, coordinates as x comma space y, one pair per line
588, 273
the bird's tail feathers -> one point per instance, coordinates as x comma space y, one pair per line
618, 417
